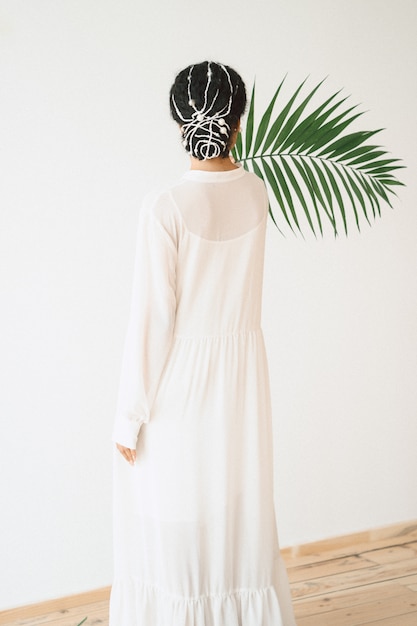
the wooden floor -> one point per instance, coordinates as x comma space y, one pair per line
367, 578
372, 580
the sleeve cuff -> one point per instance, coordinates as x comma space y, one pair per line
126, 431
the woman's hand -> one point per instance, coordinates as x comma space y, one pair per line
127, 453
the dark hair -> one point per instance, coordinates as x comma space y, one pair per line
207, 100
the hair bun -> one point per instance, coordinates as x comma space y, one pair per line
205, 137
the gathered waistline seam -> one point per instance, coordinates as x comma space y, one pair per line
219, 335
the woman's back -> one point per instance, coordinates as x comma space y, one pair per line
217, 220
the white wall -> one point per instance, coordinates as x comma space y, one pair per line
85, 132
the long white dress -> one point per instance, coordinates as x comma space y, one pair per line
195, 538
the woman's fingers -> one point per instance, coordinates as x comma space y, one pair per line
127, 453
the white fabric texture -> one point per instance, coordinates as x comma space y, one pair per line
195, 537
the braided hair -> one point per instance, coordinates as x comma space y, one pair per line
207, 100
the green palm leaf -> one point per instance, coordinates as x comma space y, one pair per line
315, 168
263, 126
249, 123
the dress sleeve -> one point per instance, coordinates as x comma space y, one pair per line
150, 328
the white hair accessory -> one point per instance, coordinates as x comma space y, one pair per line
203, 132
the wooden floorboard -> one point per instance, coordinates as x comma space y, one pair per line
366, 579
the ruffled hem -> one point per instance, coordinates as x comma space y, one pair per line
135, 604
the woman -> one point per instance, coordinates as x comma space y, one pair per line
194, 524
